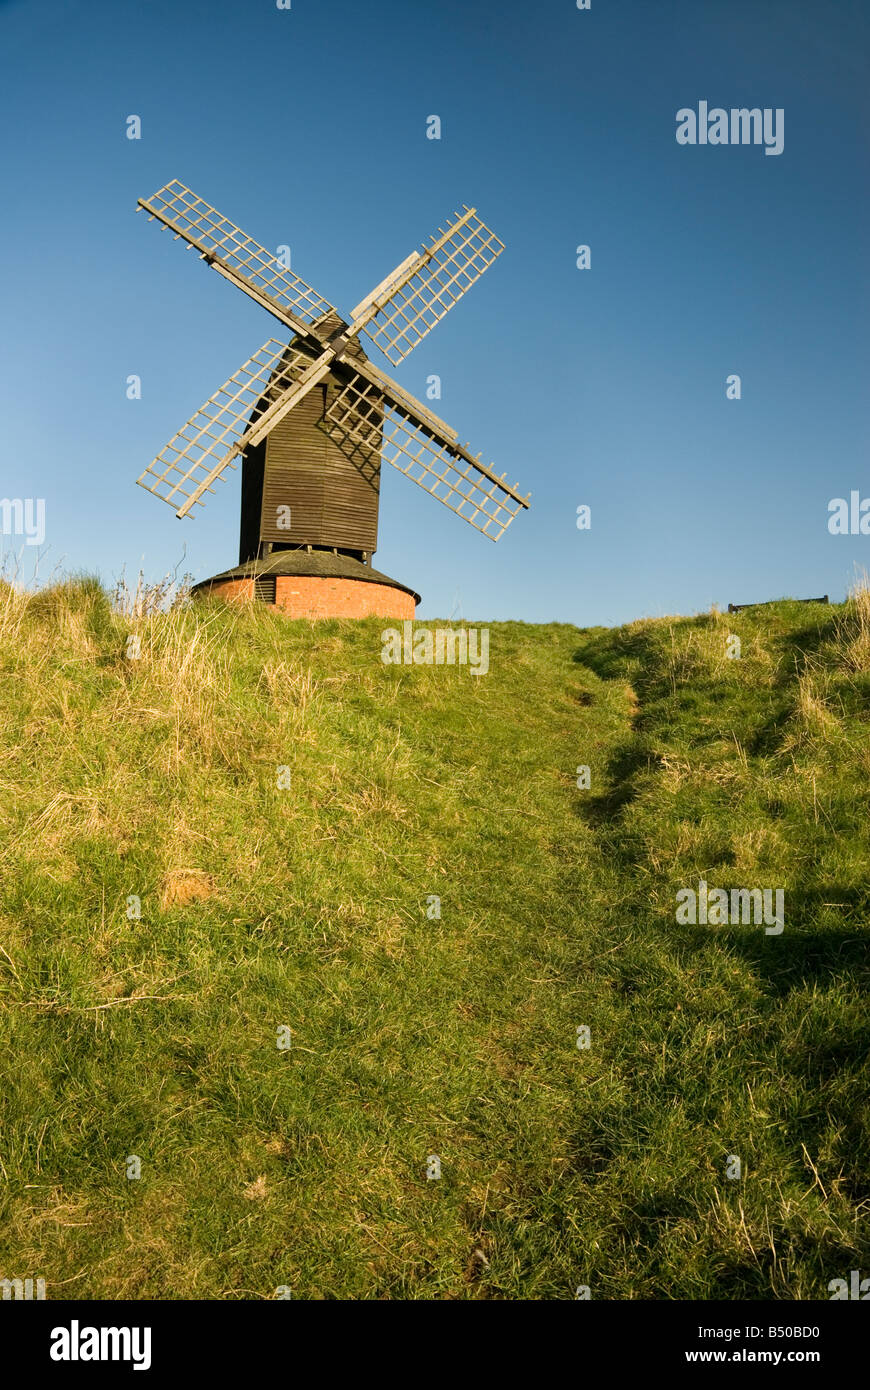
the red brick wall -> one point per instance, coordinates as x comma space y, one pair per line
308, 596
241, 589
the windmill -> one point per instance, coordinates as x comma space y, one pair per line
312, 420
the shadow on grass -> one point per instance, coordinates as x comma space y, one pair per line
618, 654
828, 1058
805, 642
799, 957
627, 764
767, 736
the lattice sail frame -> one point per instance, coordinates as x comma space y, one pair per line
199, 453
192, 218
445, 269
396, 316
360, 418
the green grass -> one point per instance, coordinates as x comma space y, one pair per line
307, 907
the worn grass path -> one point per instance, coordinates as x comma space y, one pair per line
306, 907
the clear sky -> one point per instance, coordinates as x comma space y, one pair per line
605, 386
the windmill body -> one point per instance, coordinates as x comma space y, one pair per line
300, 487
312, 421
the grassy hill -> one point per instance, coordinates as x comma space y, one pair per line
312, 907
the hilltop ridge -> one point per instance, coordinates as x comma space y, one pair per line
233, 825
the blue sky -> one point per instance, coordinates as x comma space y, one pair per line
606, 387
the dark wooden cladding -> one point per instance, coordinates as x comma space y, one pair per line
333, 501
332, 489
252, 502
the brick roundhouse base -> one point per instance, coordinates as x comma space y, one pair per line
309, 596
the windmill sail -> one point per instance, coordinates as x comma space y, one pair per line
365, 418
220, 240
244, 406
328, 485
423, 290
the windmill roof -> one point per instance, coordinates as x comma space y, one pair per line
321, 564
